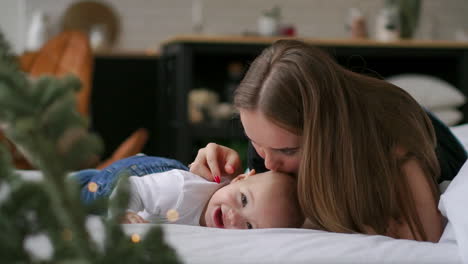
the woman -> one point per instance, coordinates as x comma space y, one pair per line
363, 150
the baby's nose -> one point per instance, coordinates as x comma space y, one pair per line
234, 220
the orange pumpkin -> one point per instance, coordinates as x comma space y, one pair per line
68, 52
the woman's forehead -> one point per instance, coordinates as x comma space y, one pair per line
266, 133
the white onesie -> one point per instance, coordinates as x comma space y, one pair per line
153, 195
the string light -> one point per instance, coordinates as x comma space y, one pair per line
136, 238
172, 215
67, 234
93, 187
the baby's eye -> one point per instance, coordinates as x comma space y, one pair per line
244, 200
249, 225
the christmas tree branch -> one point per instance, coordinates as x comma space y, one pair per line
40, 117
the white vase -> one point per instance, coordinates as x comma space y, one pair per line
98, 37
38, 31
387, 25
267, 26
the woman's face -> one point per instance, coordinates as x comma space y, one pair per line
280, 148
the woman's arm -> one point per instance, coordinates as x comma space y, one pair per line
426, 206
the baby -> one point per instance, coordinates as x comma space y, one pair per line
164, 191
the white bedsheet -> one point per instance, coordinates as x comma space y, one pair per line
209, 245
454, 204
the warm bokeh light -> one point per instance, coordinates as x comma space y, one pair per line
67, 234
136, 238
93, 187
172, 215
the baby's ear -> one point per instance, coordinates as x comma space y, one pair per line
239, 177
243, 176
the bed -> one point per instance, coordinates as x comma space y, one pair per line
209, 245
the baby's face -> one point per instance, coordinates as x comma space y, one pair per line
247, 203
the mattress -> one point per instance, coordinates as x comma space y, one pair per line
195, 244
209, 245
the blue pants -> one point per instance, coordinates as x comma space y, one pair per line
107, 178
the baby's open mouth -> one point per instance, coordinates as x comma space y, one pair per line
218, 218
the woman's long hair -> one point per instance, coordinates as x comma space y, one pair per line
350, 176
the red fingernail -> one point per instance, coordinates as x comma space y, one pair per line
217, 179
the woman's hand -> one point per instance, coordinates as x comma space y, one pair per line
132, 218
214, 161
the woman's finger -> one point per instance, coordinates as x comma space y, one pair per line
212, 155
232, 163
201, 170
200, 167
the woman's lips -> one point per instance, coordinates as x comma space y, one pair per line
218, 218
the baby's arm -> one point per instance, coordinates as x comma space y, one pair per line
132, 218
135, 202
135, 205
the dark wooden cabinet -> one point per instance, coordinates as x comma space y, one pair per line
123, 98
189, 62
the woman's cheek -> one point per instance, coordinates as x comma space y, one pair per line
260, 151
293, 164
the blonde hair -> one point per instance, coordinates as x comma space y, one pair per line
350, 177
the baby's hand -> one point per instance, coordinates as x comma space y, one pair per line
132, 218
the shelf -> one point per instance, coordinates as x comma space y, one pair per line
140, 54
239, 39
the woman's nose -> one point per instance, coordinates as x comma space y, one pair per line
271, 162
234, 220
261, 152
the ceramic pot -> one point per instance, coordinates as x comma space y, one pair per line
268, 26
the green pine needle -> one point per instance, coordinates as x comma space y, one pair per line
40, 117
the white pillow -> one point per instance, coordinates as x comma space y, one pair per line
431, 92
461, 133
450, 116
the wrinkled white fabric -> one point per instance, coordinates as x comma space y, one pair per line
453, 205
195, 244
152, 196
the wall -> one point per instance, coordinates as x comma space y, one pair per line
12, 13
145, 23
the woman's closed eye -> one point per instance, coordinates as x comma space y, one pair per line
288, 151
